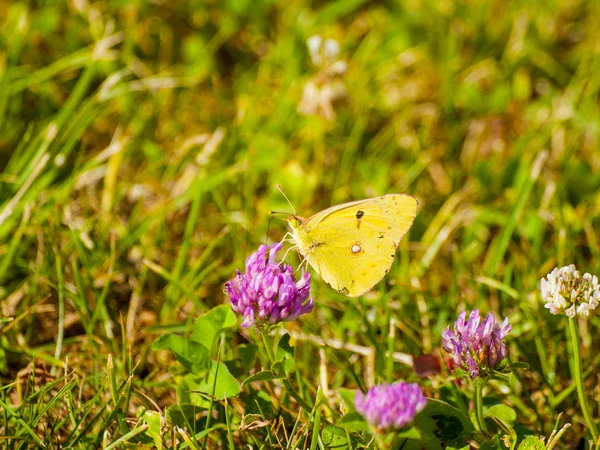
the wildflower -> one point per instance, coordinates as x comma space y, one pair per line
390, 406
565, 290
324, 54
267, 292
325, 89
320, 98
476, 345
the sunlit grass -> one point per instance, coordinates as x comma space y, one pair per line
141, 146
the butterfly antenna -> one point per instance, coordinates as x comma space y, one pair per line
279, 212
288, 200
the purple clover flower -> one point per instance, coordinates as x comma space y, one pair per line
476, 345
267, 292
390, 406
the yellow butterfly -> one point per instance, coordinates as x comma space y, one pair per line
353, 245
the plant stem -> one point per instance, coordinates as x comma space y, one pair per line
210, 407
317, 422
479, 383
269, 350
387, 442
381, 444
578, 376
271, 357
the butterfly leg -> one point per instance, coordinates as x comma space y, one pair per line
286, 253
285, 237
305, 262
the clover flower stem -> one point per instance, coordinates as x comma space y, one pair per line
271, 359
210, 407
578, 376
382, 444
479, 383
268, 349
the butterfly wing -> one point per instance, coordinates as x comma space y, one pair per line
353, 245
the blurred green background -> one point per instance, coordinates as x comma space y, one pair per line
141, 144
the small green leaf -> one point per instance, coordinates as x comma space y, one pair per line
182, 414
428, 431
348, 396
265, 375
210, 324
281, 368
197, 389
490, 445
226, 385
519, 365
440, 421
532, 443
501, 412
247, 356
455, 397
335, 437
284, 357
409, 433
353, 421
192, 355
243, 361
154, 421
284, 349
440, 408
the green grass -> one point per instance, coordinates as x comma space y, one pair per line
141, 144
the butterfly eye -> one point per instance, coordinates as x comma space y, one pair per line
294, 221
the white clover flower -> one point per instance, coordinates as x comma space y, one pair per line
322, 91
320, 99
314, 44
324, 54
331, 49
566, 291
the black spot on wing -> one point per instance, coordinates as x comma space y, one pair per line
359, 214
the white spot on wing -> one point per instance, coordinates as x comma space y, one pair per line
355, 248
